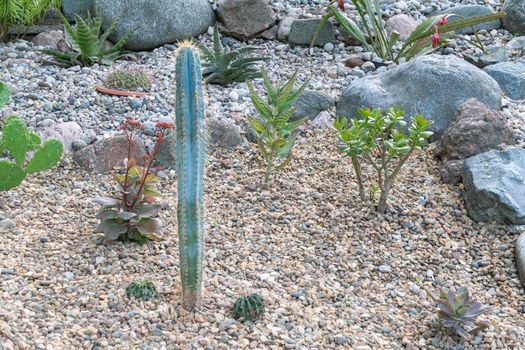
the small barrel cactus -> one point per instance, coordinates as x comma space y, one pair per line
141, 289
17, 141
190, 148
128, 79
249, 308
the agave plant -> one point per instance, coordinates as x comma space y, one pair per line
458, 312
223, 66
88, 45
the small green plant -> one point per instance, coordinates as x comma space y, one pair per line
274, 130
374, 38
223, 66
378, 140
132, 214
17, 141
88, 45
456, 311
128, 79
22, 13
141, 289
248, 308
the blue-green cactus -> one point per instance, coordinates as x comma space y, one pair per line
190, 149
17, 140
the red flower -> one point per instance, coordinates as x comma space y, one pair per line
435, 40
341, 4
165, 125
443, 21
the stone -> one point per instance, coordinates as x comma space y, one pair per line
226, 324
514, 21
270, 34
510, 77
520, 257
475, 129
158, 22
285, 26
302, 32
354, 61
108, 153
469, 11
166, 156
494, 186
67, 133
244, 19
323, 121
433, 85
7, 224
310, 103
384, 268
70, 8
53, 39
403, 24
451, 171
517, 44
223, 134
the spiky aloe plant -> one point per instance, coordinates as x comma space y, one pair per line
190, 149
17, 141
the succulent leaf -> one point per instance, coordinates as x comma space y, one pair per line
11, 175
46, 157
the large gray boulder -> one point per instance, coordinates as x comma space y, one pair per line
495, 186
434, 86
158, 22
514, 21
510, 77
302, 32
70, 8
469, 11
520, 257
244, 19
310, 103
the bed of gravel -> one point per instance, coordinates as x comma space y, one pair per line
333, 273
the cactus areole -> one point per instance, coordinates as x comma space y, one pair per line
190, 152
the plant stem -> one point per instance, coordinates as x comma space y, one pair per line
359, 175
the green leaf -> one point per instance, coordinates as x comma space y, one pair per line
260, 105
149, 225
5, 92
105, 213
149, 210
112, 229
256, 125
283, 151
16, 139
46, 157
11, 175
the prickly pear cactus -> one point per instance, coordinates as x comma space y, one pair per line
191, 151
17, 141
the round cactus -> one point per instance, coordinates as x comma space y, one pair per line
128, 79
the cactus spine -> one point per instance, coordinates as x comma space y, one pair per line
190, 149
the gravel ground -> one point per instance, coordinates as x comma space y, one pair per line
333, 273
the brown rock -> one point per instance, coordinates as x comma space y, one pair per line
403, 24
66, 133
223, 134
245, 18
53, 39
106, 154
354, 61
451, 171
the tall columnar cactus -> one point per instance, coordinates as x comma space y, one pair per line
17, 140
191, 152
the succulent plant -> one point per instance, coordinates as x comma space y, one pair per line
88, 45
17, 141
248, 308
128, 79
458, 312
131, 215
141, 289
222, 66
190, 148
22, 13
5, 92
275, 131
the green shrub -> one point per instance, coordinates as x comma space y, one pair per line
248, 308
128, 79
88, 45
22, 13
222, 66
456, 311
378, 140
141, 289
17, 141
275, 132
131, 215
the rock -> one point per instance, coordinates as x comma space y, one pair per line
451, 171
510, 77
469, 11
285, 26
270, 34
53, 39
323, 121
384, 268
403, 24
226, 324
159, 22
517, 44
135, 103
223, 134
244, 19
520, 257
475, 129
67, 133
494, 186
7, 224
79, 7
432, 85
166, 156
354, 61
302, 32
514, 21
340, 339
105, 154
78, 145
310, 103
